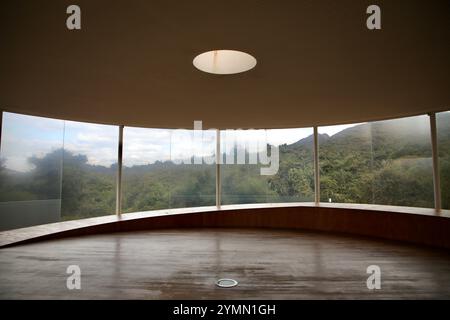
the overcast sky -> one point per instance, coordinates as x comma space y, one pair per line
26, 136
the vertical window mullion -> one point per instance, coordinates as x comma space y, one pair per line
316, 167
119, 173
435, 156
218, 162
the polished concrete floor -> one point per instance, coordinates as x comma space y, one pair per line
184, 264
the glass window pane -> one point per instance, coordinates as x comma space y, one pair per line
403, 166
241, 179
244, 153
30, 170
383, 162
345, 161
443, 138
166, 168
194, 180
146, 176
294, 181
89, 170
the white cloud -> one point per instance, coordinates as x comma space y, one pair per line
98, 142
16, 150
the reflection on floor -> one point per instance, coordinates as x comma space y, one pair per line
184, 264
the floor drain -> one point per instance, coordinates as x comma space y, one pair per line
226, 283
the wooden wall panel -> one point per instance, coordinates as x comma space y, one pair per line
413, 228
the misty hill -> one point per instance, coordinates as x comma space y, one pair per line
393, 135
308, 142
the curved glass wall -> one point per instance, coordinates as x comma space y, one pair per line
53, 170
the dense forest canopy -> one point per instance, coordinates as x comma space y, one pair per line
387, 162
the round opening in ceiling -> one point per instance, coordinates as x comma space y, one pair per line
224, 62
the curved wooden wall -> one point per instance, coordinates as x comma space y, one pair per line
427, 229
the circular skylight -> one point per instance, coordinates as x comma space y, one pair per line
224, 62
